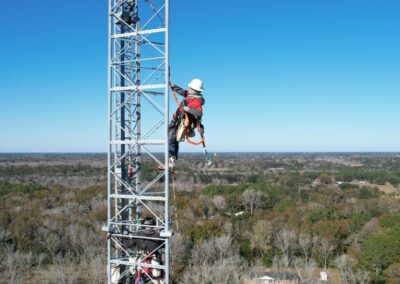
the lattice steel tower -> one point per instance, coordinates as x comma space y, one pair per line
138, 131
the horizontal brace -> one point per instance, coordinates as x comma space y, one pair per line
152, 142
134, 88
129, 262
132, 236
144, 32
154, 93
134, 222
140, 142
154, 192
133, 61
143, 197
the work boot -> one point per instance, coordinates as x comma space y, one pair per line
171, 165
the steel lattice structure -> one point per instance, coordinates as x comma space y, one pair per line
138, 131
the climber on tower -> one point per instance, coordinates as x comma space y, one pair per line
192, 105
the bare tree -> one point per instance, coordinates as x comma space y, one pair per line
178, 249
219, 202
284, 241
211, 250
305, 243
368, 229
345, 263
315, 246
11, 264
204, 206
52, 243
261, 235
91, 263
252, 199
214, 261
362, 276
225, 271
17, 264
306, 270
325, 248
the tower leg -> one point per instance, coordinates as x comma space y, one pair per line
138, 61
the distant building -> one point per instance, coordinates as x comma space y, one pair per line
272, 277
323, 275
236, 214
277, 170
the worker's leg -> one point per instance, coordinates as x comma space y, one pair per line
173, 145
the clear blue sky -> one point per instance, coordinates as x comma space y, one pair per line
287, 75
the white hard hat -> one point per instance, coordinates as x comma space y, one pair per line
197, 85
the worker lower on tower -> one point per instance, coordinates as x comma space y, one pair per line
144, 251
192, 105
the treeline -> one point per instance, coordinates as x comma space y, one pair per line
245, 213
46, 233
55, 170
372, 176
353, 229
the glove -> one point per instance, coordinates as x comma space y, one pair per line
185, 108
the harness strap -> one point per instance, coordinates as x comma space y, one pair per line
203, 138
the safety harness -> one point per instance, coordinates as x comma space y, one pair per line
186, 123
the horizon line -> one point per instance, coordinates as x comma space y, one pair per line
222, 152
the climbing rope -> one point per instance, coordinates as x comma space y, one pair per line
176, 217
175, 208
187, 126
